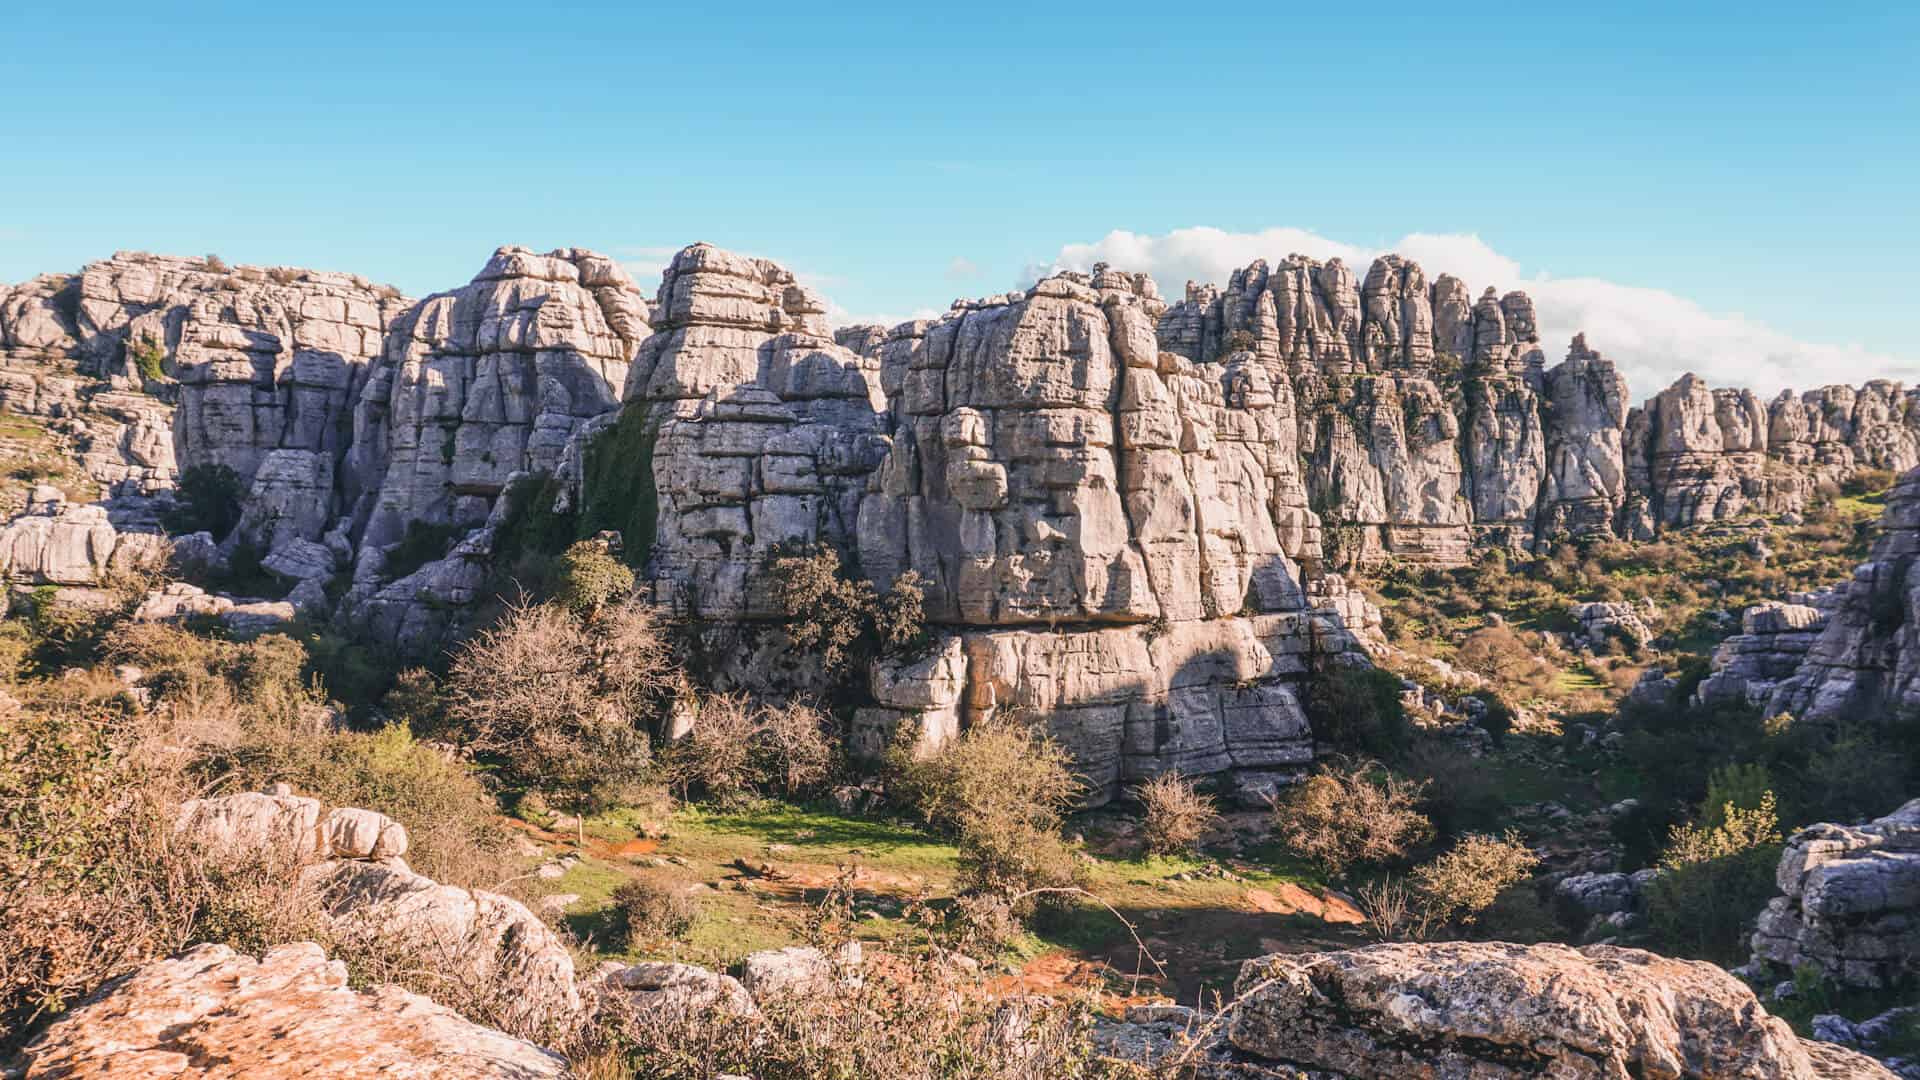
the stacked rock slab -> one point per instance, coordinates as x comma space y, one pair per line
474, 385
763, 430
1850, 903
1773, 642
1866, 661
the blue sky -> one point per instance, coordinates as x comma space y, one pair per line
1755, 165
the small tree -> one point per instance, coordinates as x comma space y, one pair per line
844, 619
1004, 789
1466, 879
206, 499
589, 578
1714, 880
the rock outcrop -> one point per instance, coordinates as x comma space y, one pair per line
1124, 514
210, 1012
1489, 1011
351, 862
1850, 903
1866, 660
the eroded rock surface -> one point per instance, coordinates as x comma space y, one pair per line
1488, 1010
290, 1014
1850, 903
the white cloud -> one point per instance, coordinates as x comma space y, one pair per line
1653, 336
962, 267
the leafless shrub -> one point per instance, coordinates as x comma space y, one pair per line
908, 1018
1177, 815
1003, 789
1352, 812
564, 703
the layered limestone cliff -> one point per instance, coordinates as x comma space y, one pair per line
1124, 513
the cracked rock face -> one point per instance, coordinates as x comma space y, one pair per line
488, 380
1850, 903
1491, 1011
211, 1012
1866, 660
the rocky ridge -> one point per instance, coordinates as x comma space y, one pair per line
1124, 513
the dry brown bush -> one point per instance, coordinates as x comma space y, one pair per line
650, 909
1177, 815
563, 703
737, 747
1003, 789
1352, 812
907, 1018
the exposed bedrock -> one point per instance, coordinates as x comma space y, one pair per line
1849, 904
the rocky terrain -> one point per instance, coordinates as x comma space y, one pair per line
1213, 538
1169, 483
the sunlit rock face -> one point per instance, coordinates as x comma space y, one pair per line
474, 385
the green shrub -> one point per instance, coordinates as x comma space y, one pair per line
1356, 709
1713, 882
840, 617
206, 499
1465, 880
588, 578
423, 543
149, 359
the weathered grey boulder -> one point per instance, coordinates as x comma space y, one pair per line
1773, 641
1850, 903
1490, 1011
674, 988
1603, 621
289, 1015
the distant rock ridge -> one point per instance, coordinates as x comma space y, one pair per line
1128, 515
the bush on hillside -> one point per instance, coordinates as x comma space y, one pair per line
561, 704
206, 498
1713, 882
653, 909
1350, 813
589, 578
1003, 790
1356, 709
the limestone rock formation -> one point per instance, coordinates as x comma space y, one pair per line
55, 544
473, 385
1772, 643
368, 895
1700, 456
1586, 483
1850, 903
1866, 661
1489, 1011
289, 1015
